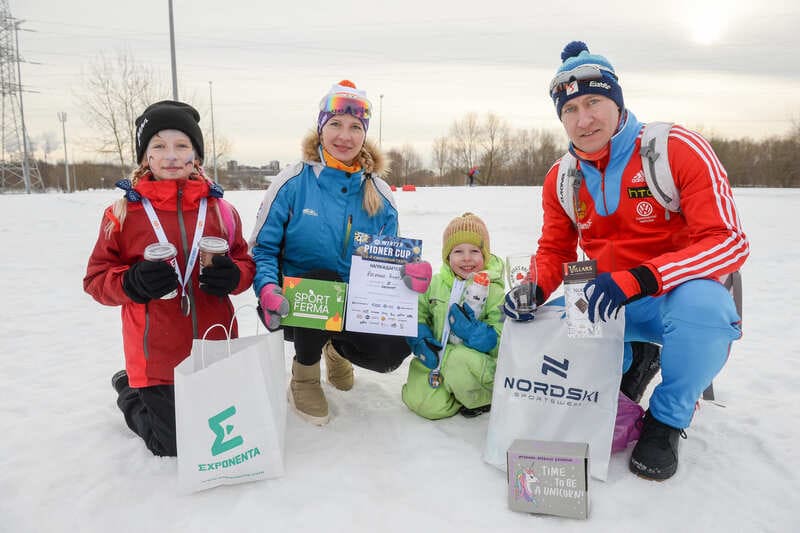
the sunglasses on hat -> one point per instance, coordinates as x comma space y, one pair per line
563, 80
343, 103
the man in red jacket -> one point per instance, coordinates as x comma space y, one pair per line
665, 268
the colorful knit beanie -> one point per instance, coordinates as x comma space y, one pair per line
344, 99
583, 73
467, 228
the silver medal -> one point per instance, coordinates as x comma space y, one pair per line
434, 378
186, 305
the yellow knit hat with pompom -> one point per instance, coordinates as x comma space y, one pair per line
467, 228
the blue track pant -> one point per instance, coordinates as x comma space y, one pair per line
695, 324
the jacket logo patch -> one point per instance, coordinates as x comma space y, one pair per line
310, 212
645, 212
639, 192
638, 177
581, 210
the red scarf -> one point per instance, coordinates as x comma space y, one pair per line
600, 158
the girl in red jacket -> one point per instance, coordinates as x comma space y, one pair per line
165, 304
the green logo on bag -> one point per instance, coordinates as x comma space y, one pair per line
215, 423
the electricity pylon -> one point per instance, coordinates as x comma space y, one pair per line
17, 168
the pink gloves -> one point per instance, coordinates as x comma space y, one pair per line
417, 276
273, 305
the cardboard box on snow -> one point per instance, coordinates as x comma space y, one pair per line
548, 477
314, 303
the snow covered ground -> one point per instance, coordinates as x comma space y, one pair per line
69, 463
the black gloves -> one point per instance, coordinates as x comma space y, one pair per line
221, 277
147, 280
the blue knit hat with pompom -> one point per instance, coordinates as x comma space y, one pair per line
576, 54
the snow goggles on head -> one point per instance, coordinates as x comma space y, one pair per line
346, 104
563, 80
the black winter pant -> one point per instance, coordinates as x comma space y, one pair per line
380, 353
150, 413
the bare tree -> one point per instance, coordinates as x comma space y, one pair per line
223, 146
404, 163
547, 150
411, 161
47, 143
117, 90
794, 132
523, 153
496, 146
393, 175
465, 138
441, 155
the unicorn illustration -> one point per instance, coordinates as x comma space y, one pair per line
524, 480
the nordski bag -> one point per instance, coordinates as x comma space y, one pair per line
550, 387
230, 411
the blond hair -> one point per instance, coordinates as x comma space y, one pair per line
120, 207
372, 201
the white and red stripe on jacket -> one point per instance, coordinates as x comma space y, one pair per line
704, 241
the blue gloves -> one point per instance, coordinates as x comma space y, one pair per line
604, 296
425, 346
475, 334
608, 292
519, 303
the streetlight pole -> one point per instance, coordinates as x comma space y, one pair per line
213, 137
62, 116
172, 53
380, 124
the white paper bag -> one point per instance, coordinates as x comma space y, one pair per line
554, 388
230, 412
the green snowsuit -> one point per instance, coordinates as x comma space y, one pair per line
467, 375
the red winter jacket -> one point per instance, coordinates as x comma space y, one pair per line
156, 335
704, 240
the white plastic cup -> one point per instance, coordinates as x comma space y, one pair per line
162, 251
521, 270
209, 247
517, 269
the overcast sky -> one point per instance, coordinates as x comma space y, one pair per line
725, 67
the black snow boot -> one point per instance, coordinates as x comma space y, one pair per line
656, 454
466, 412
119, 381
645, 365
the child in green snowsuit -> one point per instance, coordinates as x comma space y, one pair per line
467, 369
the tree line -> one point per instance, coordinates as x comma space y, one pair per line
117, 89
507, 156
503, 155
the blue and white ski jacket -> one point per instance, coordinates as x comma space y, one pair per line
308, 218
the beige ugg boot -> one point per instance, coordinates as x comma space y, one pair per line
339, 369
305, 394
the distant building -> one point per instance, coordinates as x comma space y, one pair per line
250, 177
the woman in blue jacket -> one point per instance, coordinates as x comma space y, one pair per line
305, 228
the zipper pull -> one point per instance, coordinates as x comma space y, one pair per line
347, 234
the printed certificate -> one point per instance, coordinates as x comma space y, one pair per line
378, 301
